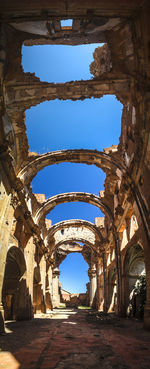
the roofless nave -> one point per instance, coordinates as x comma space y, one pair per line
116, 249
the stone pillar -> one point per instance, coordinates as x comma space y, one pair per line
23, 309
38, 298
55, 287
125, 294
100, 286
49, 290
43, 284
104, 282
29, 253
118, 270
93, 285
39, 286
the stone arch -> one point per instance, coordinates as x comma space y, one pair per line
13, 283
133, 268
134, 260
75, 233
102, 160
50, 203
66, 233
62, 249
76, 223
60, 253
39, 285
74, 242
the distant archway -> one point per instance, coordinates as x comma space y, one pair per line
78, 223
75, 279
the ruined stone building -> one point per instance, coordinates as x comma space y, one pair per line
116, 247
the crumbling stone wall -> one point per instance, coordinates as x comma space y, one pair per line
102, 61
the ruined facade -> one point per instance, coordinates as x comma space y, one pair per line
117, 249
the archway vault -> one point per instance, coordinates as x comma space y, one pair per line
53, 201
72, 245
71, 231
74, 223
104, 161
73, 241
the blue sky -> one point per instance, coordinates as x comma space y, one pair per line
55, 125
58, 63
74, 273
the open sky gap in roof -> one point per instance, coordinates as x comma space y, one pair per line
58, 63
88, 124
56, 125
74, 210
69, 177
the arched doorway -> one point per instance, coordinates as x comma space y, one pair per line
15, 294
134, 281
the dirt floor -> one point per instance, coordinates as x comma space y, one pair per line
75, 339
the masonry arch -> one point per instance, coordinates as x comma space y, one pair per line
73, 241
63, 248
102, 160
75, 278
50, 204
68, 247
76, 223
39, 285
71, 246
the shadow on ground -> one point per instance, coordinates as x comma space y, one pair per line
76, 339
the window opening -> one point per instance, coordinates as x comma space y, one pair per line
66, 23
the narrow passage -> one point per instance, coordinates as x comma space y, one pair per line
75, 339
